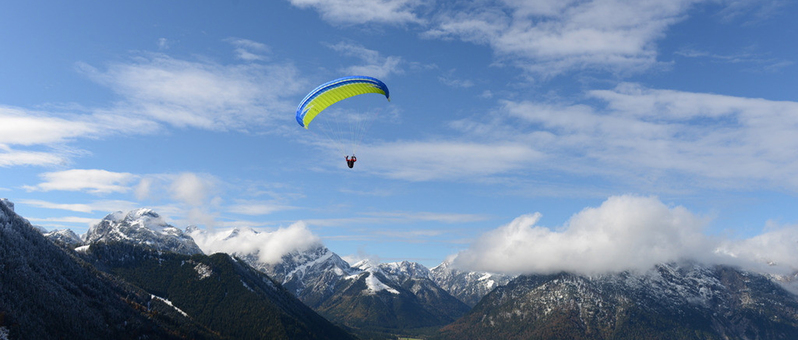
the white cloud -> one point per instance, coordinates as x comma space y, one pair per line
712, 136
66, 219
33, 129
201, 94
456, 83
144, 189
648, 137
402, 216
94, 181
24, 127
756, 62
163, 44
249, 50
269, 245
192, 189
551, 37
753, 10
774, 251
447, 160
398, 217
364, 11
156, 89
10, 157
375, 64
624, 233
101, 206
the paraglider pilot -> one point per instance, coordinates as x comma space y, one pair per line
351, 161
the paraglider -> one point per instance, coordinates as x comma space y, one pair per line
341, 131
350, 162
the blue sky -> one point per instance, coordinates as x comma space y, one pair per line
510, 121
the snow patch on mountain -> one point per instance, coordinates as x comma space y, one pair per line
203, 270
154, 297
374, 285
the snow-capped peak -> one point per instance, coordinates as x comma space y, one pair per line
64, 236
142, 227
405, 269
366, 265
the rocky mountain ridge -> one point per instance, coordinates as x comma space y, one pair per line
671, 301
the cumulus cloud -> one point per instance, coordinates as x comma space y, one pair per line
192, 189
95, 181
269, 246
364, 11
624, 233
774, 251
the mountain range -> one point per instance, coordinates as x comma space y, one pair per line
135, 277
170, 288
671, 301
374, 300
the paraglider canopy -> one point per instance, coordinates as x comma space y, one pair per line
334, 91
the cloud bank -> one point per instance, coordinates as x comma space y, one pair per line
269, 246
623, 233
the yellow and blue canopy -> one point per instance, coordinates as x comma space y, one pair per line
334, 91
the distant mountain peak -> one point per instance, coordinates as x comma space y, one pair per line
367, 265
468, 286
142, 227
65, 237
